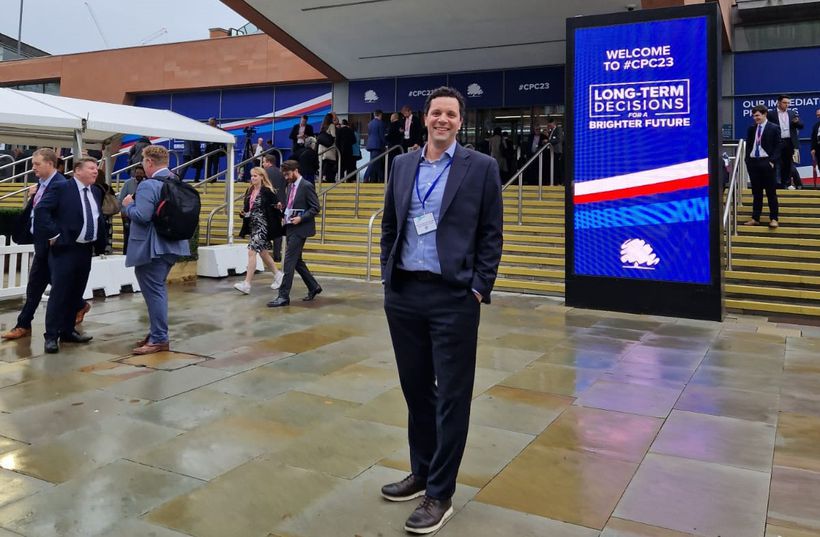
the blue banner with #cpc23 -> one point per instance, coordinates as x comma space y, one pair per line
641, 188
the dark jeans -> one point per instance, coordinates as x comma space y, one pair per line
295, 263
434, 328
762, 176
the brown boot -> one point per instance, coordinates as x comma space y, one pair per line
81, 313
151, 348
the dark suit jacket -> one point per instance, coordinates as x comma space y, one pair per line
307, 200
415, 131
815, 140
60, 211
394, 136
469, 234
794, 128
294, 132
769, 141
279, 184
22, 229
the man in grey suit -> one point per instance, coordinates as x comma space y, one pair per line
152, 255
300, 223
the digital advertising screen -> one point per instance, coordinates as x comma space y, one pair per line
643, 202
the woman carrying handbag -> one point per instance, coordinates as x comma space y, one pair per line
262, 220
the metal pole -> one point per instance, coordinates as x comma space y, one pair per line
356, 198
231, 172
520, 199
540, 175
324, 219
386, 171
552, 168
20, 32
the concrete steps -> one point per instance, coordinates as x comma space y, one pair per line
774, 272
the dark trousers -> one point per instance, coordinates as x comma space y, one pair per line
762, 177
38, 279
784, 167
277, 249
375, 170
197, 166
213, 166
295, 263
434, 328
70, 266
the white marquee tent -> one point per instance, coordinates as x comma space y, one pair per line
48, 120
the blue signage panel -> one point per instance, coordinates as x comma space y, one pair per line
160, 101
805, 105
197, 105
247, 102
534, 87
641, 151
480, 90
413, 91
777, 71
365, 96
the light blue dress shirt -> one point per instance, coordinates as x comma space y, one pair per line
418, 252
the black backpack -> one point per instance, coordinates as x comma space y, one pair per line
177, 214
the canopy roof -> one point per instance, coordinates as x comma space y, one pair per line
40, 119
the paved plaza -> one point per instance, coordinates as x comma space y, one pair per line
287, 422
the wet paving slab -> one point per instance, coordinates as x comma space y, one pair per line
286, 423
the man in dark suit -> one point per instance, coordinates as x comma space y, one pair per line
70, 219
192, 150
279, 184
300, 223
44, 163
440, 248
300, 132
762, 153
815, 143
789, 126
376, 143
410, 127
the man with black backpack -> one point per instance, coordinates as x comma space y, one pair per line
155, 242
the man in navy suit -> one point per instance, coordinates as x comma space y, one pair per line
44, 163
440, 249
300, 133
69, 218
762, 153
375, 146
152, 255
815, 142
789, 135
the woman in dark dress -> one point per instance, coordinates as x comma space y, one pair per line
262, 220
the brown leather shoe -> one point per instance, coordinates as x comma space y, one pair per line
143, 341
16, 333
151, 348
751, 222
81, 314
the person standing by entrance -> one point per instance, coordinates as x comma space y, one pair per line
763, 149
375, 146
440, 249
790, 125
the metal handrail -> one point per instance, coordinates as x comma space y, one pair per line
16, 162
370, 240
213, 213
539, 156
236, 166
10, 194
733, 199
2, 156
355, 173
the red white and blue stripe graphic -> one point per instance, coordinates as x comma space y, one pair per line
684, 176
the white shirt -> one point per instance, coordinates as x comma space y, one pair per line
408, 122
300, 138
757, 143
785, 128
95, 212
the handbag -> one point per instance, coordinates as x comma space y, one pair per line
110, 204
325, 139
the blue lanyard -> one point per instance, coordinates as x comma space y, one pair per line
432, 186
